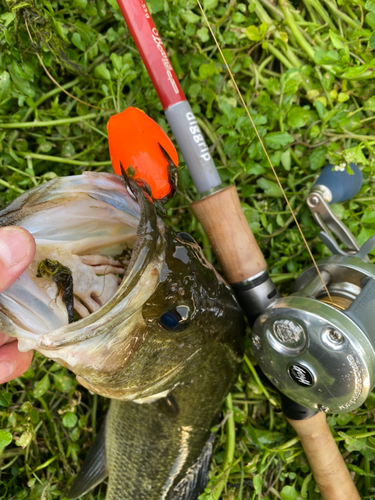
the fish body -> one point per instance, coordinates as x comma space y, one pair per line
160, 334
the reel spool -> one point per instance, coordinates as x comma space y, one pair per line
318, 348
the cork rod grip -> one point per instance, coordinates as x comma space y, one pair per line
326, 462
233, 242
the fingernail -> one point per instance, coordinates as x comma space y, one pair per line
14, 246
6, 370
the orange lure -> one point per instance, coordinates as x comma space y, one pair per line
145, 152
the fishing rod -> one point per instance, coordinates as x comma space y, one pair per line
218, 209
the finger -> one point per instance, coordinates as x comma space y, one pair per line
13, 362
17, 249
5, 339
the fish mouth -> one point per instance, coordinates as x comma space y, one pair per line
96, 346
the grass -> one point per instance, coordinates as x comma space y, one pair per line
306, 72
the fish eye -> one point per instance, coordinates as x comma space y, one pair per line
175, 320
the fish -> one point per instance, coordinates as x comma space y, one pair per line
154, 328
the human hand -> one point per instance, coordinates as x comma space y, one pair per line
17, 249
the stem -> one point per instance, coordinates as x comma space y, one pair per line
262, 14
9, 186
229, 450
337, 12
258, 381
231, 434
48, 123
58, 159
279, 56
289, 19
322, 13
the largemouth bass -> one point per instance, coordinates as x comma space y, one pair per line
156, 330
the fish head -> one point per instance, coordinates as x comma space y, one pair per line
136, 329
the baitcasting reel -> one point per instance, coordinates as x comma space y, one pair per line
317, 346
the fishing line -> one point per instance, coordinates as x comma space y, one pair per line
265, 151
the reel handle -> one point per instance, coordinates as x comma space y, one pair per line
338, 185
326, 462
334, 186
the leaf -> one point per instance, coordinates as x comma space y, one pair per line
336, 40
4, 85
256, 34
355, 155
320, 108
364, 235
210, 4
69, 419
359, 471
5, 438
81, 4
7, 18
228, 54
370, 20
298, 117
5, 398
344, 418
286, 159
25, 439
289, 493
278, 140
368, 218
370, 5
356, 71
67, 149
343, 97
41, 387
257, 483
203, 34
63, 382
102, 72
78, 42
34, 417
22, 85
270, 188
190, 17
155, 6
194, 89
318, 158
322, 56
207, 70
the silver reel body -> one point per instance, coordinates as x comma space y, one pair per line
318, 353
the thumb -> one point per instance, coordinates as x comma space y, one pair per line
17, 249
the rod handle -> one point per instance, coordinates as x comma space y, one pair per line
233, 242
326, 462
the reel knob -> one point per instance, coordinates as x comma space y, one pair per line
319, 350
337, 185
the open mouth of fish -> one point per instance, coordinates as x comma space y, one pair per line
114, 246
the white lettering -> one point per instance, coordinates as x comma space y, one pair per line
195, 129
145, 9
198, 138
167, 65
206, 156
190, 116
